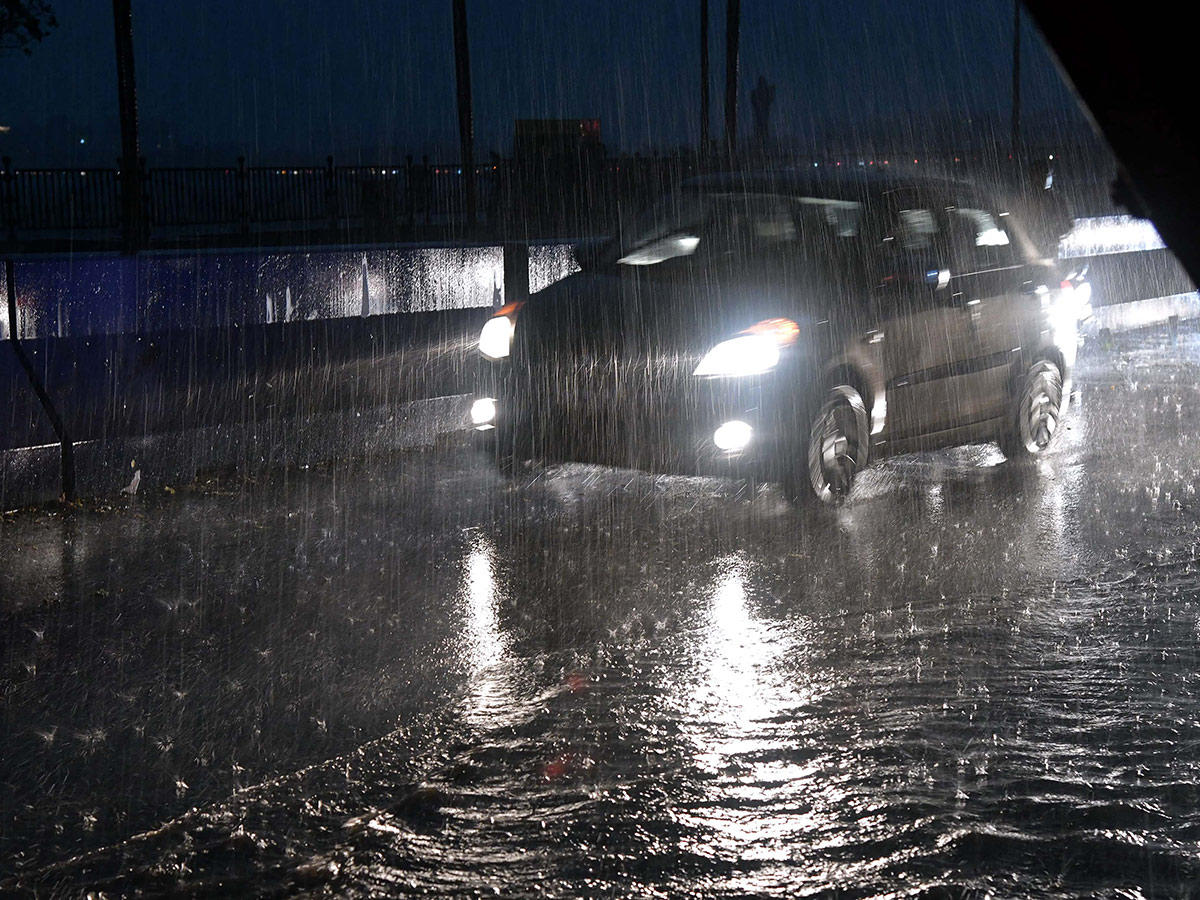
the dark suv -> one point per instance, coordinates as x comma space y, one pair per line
791, 327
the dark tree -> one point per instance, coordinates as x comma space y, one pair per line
24, 23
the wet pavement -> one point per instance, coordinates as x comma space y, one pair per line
407, 675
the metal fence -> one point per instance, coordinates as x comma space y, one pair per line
548, 197
196, 196
44, 201
66, 199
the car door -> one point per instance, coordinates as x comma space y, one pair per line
923, 332
990, 287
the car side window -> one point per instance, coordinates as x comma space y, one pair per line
909, 241
907, 255
747, 232
978, 239
749, 224
916, 229
827, 221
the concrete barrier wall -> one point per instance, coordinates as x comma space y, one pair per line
115, 385
212, 358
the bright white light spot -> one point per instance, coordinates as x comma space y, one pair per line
495, 340
483, 411
748, 354
733, 436
1083, 295
991, 237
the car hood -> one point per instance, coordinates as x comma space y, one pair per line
628, 312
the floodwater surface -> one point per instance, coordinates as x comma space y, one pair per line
409, 676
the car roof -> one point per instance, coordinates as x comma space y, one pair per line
832, 183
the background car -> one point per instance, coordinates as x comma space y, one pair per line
789, 327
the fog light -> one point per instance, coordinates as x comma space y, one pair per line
483, 412
733, 436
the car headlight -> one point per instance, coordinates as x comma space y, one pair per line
495, 340
754, 351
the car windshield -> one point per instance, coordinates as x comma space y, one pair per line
691, 221
674, 219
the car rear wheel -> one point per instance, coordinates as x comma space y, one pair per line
1037, 413
832, 451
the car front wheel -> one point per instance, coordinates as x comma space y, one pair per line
1037, 413
831, 452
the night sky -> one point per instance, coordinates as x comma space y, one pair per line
369, 80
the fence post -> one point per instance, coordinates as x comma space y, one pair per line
733, 13
466, 120
410, 206
132, 227
426, 187
331, 197
243, 204
10, 200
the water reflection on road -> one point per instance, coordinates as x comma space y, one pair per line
747, 685
494, 673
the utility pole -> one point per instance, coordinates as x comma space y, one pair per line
132, 219
466, 121
733, 16
704, 104
1016, 83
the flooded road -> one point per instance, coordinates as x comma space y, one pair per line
409, 676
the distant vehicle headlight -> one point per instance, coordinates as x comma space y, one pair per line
755, 351
495, 340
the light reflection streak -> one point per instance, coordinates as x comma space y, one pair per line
742, 707
494, 673
1054, 539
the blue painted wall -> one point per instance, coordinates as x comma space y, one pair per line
73, 296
